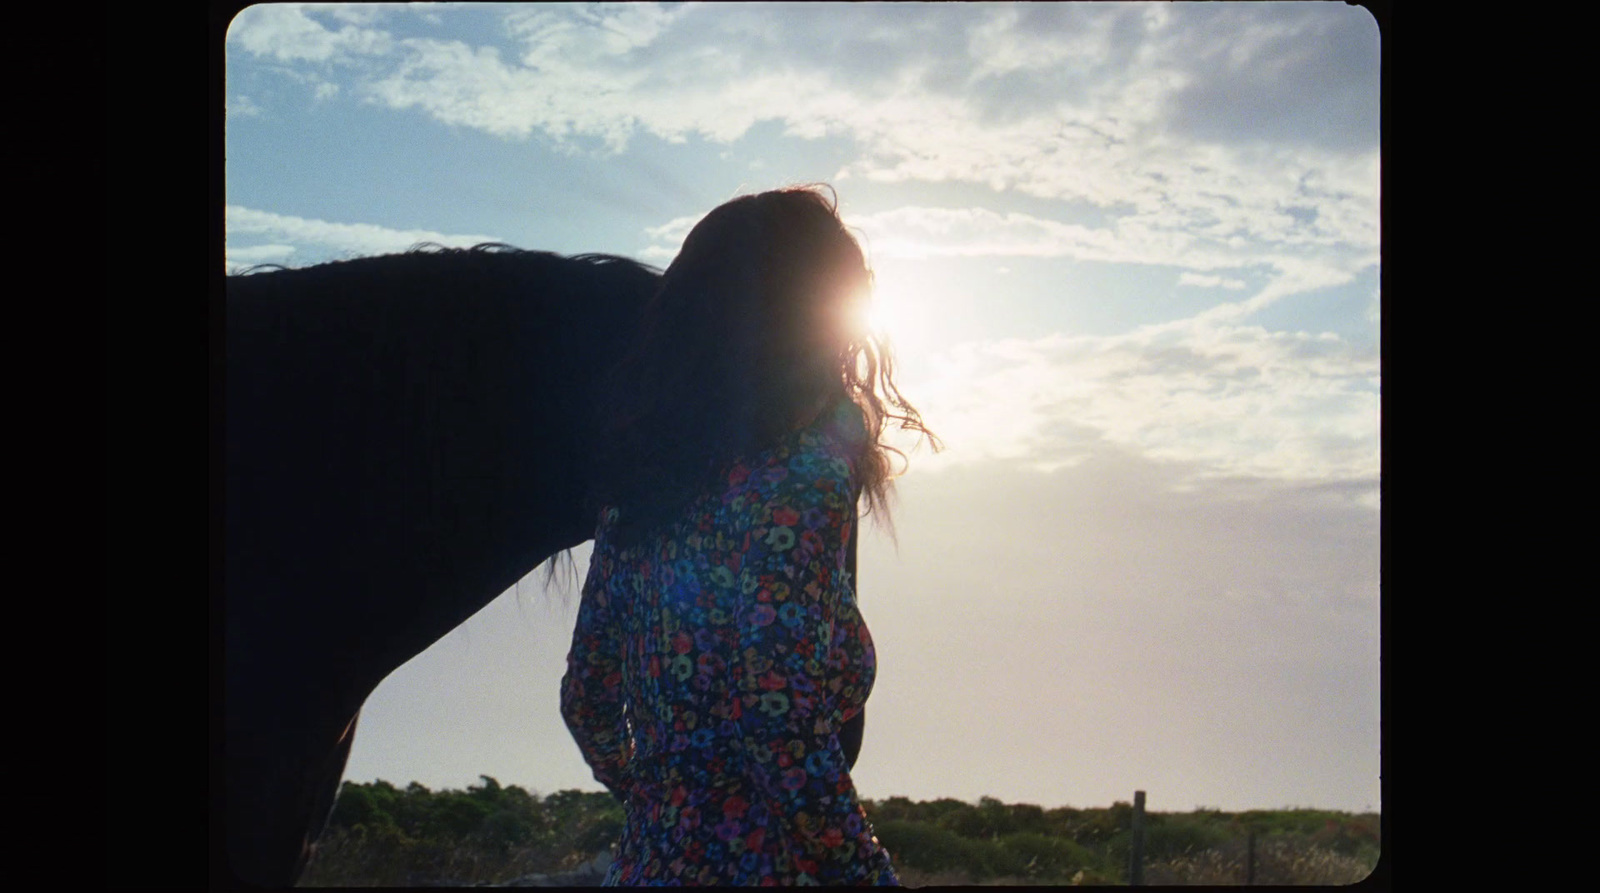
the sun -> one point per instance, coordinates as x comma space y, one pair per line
877, 322
892, 313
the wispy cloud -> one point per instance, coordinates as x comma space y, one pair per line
1077, 102
286, 33
916, 232
1217, 400
668, 238
1202, 281
321, 239
241, 106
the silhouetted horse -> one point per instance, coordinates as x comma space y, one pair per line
406, 437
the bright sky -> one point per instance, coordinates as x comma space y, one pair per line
1129, 255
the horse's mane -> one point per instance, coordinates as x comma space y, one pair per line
563, 283
434, 249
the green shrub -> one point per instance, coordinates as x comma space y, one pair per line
1048, 858
1028, 818
599, 832
1099, 826
506, 829
932, 848
382, 835
919, 844
934, 810
357, 806
1170, 836
458, 815
973, 824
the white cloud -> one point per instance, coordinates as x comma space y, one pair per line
919, 232
260, 253
1073, 102
584, 33
241, 106
1199, 280
669, 237
344, 238
285, 33
353, 13
1218, 400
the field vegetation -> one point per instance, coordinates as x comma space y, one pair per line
381, 835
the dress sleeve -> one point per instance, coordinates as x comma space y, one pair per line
793, 669
591, 690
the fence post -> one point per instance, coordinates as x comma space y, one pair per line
1136, 846
1250, 859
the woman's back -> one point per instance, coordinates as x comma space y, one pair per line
714, 664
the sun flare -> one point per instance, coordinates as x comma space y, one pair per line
890, 316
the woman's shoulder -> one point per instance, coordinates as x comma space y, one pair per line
823, 448
841, 422
837, 431
829, 445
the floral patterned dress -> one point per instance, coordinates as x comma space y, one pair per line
713, 666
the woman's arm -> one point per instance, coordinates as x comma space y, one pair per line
855, 726
797, 666
591, 690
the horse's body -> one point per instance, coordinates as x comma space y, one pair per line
406, 437
404, 441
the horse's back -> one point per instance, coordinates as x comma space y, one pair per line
404, 440
408, 428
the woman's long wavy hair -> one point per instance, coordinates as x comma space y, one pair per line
759, 321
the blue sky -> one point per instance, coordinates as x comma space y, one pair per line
1128, 253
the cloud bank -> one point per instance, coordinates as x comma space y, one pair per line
1217, 402
1206, 130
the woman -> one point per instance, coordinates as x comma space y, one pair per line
718, 651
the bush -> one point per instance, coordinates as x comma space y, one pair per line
506, 829
600, 832
973, 824
1281, 860
357, 806
360, 856
931, 848
1048, 858
488, 834
920, 845
1099, 826
1357, 836
458, 815
1171, 836
1028, 818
